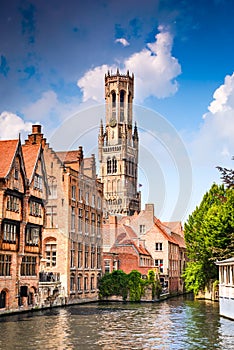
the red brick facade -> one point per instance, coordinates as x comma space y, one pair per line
23, 191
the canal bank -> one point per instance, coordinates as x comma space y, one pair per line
64, 302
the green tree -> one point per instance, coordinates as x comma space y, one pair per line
209, 234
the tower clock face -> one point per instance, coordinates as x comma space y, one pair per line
113, 122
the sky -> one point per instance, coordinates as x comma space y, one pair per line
53, 58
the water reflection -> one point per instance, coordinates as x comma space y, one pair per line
174, 324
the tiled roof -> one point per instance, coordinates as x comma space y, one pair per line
68, 156
175, 226
7, 152
164, 231
139, 248
30, 154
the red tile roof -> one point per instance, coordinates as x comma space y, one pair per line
31, 154
68, 156
165, 231
7, 153
175, 226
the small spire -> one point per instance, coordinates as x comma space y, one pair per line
101, 128
117, 71
135, 133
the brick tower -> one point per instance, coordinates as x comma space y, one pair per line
118, 147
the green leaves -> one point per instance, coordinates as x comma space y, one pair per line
209, 234
121, 284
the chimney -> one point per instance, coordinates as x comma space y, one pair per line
149, 210
36, 129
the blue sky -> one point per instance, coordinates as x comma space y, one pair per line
53, 57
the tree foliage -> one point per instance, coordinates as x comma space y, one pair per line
209, 236
118, 283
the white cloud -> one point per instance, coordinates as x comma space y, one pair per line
154, 67
122, 41
215, 142
11, 125
91, 84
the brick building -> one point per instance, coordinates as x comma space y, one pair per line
23, 192
127, 251
164, 243
72, 239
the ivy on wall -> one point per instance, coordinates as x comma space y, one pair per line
131, 285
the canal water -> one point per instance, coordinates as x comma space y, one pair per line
178, 323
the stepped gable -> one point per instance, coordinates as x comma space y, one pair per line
7, 153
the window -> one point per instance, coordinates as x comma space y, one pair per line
92, 287
92, 257
80, 220
5, 265
50, 250
158, 246
32, 235
35, 208
114, 165
86, 262
86, 222
159, 263
28, 266
72, 283
73, 219
38, 182
93, 226
99, 203
107, 266
99, 225
142, 228
122, 105
53, 191
79, 286
98, 257
93, 200
9, 233
86, 283
113, 99
73, 190
80, 195
13, 203
72, 263
87, 197
109, 166
80, 255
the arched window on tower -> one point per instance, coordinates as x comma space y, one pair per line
113, 99
113, 104
122, 97
114, 165
129, 108
109, 167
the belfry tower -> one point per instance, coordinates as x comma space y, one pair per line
118, 147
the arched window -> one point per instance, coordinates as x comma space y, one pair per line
113, 99
122, 97
114, 165
109, 166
